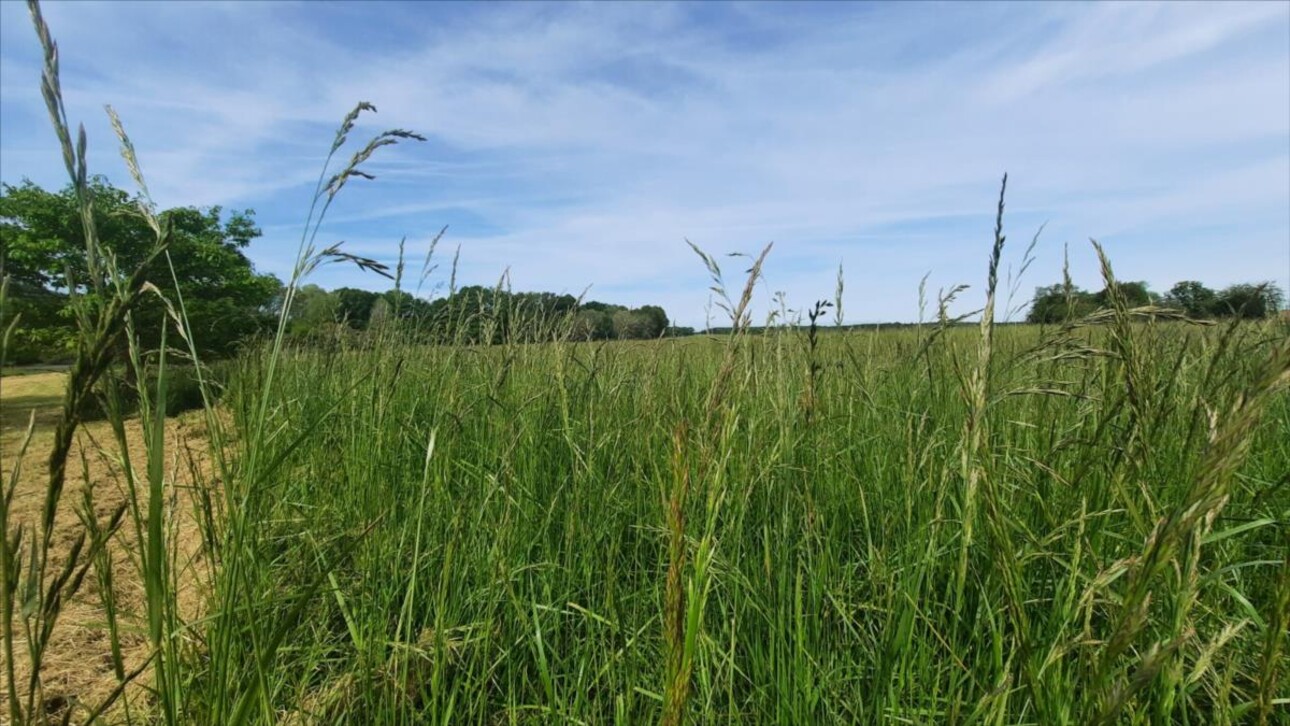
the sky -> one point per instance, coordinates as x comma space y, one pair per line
576, 147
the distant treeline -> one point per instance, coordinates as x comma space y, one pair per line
852, 327
478, 314
1058, 303
225, 299
1249, 301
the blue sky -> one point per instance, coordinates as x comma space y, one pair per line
580, 145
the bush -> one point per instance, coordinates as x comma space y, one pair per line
183, 391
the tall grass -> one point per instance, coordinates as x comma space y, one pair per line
530, 571
1085, 523
34, 586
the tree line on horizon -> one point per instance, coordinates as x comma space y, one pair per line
477, 314
227, 302
1247, 301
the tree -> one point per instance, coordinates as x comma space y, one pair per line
1193, 298
468, 316
601, 307
313, 310
43, 332
1056, 304
630, 324
354, 306
44, 242
399, 305
1250, 302
592, 325
225, 300
656, 319
1135, 295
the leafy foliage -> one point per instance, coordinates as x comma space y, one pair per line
43, 242
1062, 302
1249, 302
476, 314
1193, 298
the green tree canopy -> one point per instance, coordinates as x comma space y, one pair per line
1135, 294
1193, 298
312, 310
43, 244
1054, 303
354, 306
1249, 301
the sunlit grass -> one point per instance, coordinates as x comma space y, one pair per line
519, 570
1085, 523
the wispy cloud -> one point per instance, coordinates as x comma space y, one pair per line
580, 144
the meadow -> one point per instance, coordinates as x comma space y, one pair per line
872, 529
956, 522
1073, 525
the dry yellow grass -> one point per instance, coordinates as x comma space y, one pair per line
78, 665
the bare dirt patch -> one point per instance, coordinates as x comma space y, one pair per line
78, 670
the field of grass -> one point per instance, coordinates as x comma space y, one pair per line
1078, 524
752, 529
1086, 523
707, 529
